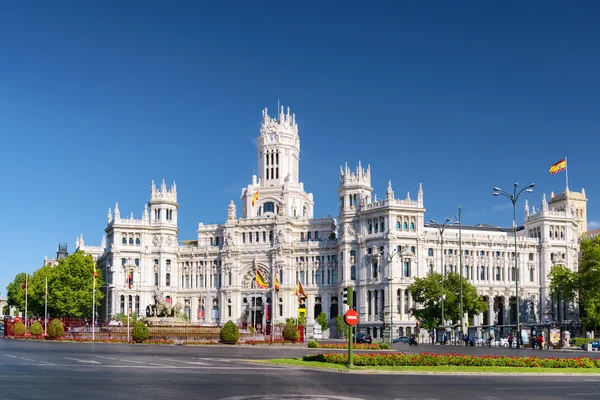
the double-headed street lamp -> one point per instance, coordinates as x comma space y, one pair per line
513, 198
441, 229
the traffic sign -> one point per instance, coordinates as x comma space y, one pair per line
17, 319
351, 317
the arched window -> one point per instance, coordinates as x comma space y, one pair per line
431, 268
137, 262
412, 249
168, 280
512, 274
123, 261
353, 272
406, 307
137, 241
131, 240
375, 270
530, 256
498, 276
156, 279
482, 273
405, 226
531, 274
124, 241
398, 225
334, 276
430, 252
406, 269
382, 223
370, 226
122, 304
269, 207
562, 235
412, 226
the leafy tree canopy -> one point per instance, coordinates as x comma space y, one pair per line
427, 294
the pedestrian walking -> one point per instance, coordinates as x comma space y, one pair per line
540, 341
510, 340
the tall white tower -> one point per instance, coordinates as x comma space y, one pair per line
278, 149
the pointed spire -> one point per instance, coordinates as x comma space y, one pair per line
163, 187
544, 203
103, 242
174, 189
389, 195
583, 192
551, 195
109, 216
347, 168
77, 243
81, 242
407, 195
153, 187
368, 170
117, 212
526, 208
359, 169
145, 216
420, 195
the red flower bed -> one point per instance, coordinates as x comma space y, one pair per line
362, 346
427, 359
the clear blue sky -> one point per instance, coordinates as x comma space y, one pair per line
99, 98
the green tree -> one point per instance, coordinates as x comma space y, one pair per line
563, 284
588, 283
427, 292
140, 332
15, 292
341, 326
322, 321
70, 286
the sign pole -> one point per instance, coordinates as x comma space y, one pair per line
350, 305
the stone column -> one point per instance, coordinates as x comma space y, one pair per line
490, 320
194, 309
402, 305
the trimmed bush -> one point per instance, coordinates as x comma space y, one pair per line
384, 346
230, 333
140, 332
36, 329
55, 329
19, 329
290, 332
313, 344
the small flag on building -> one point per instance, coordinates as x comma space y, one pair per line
255, 198
130, 279
260, 281
276, 284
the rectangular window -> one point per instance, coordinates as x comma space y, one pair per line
257, 237
243, 238
271, 236
264, 237
281, 310
217, 240
317, 235
309, 236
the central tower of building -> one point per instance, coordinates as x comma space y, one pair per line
278, 189
278, 149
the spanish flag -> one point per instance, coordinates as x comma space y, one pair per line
254, 198
558, 167
130, 279
95, 275
260, 281
301, 290
276, 283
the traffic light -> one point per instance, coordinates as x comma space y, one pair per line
345, 295
417, 329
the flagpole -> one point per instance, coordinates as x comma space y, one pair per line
567, 173
26, 290
93, 306
46, 310
254, 311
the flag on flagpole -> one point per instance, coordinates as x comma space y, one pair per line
558, 167
254, 198
95, 275
276, 283
260, 281
130, 279
301, 290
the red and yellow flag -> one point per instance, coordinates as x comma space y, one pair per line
276, 284
95, 275
260, 281
301, 290
254, 198
558, 167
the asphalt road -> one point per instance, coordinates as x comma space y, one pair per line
43, 370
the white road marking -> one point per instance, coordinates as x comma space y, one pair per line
10, 355
106, 358
535, 388
133, 361
26, 359
46, 363
82, 361
196, 362
582, 394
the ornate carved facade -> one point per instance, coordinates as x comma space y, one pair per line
379, 245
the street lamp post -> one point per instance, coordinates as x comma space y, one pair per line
513, 198
441, 229
460, 265
390, 280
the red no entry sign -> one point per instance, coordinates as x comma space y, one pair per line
351, 317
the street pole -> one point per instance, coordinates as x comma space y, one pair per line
441, 230
350, 305
94, 309
460, 264
513, 198
46, 310
26, 290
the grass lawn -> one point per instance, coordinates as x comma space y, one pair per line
445, 369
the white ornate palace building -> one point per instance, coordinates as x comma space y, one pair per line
377, 245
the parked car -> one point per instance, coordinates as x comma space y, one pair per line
595, 345
363, 338
401, 339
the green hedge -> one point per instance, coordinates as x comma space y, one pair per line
580, 341
426, 359
230, 333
